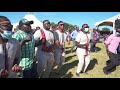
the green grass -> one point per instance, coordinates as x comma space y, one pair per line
95, 68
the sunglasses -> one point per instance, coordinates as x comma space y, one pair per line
8, 25
87, 27
61, 24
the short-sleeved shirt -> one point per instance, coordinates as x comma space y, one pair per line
113, 42
27, 49
95, 36
82, 39
61, 37
74, 34
14, 51
49, 37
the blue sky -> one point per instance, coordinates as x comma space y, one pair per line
75, 18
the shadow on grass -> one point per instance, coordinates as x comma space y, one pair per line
64, 70
69, 57
98, 48
67, 47
69, 75
92, 64
68, 51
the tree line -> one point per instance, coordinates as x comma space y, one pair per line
105, 31
71, 27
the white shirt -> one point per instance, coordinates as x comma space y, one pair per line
82, 39
61, 37
49, 37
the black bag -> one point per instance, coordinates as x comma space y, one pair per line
117, 23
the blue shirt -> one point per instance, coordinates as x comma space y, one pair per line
74, 34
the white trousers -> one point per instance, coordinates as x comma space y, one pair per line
83, 62
45, 63
59, 60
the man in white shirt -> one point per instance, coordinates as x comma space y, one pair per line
44, 53
82, 43
59, 47
9, 50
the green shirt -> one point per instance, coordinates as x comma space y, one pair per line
27, 49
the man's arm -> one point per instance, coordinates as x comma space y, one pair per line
81, 45
56, 38
72, 34
38, 38
16, 62
107, 43
18, 38
18, 53
38, 43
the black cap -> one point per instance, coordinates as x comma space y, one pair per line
25, 21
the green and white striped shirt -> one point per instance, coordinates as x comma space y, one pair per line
27, 49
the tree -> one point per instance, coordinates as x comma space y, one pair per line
53, 24
105, 30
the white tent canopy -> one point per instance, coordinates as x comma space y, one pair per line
30, 17
107, 22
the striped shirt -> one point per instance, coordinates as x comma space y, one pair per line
27, 49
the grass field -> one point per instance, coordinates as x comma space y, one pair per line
95, 68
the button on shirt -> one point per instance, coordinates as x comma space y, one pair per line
113, 43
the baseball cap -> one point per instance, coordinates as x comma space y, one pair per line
25, 21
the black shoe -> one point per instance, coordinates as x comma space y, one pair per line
57, 73
82, 72
77, 74
106, 72
108, 62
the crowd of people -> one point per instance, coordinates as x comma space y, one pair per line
22, 49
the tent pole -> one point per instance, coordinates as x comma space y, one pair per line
114, 31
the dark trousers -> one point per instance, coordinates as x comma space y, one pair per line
27, 73
32, 73
93, 45
114, 61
